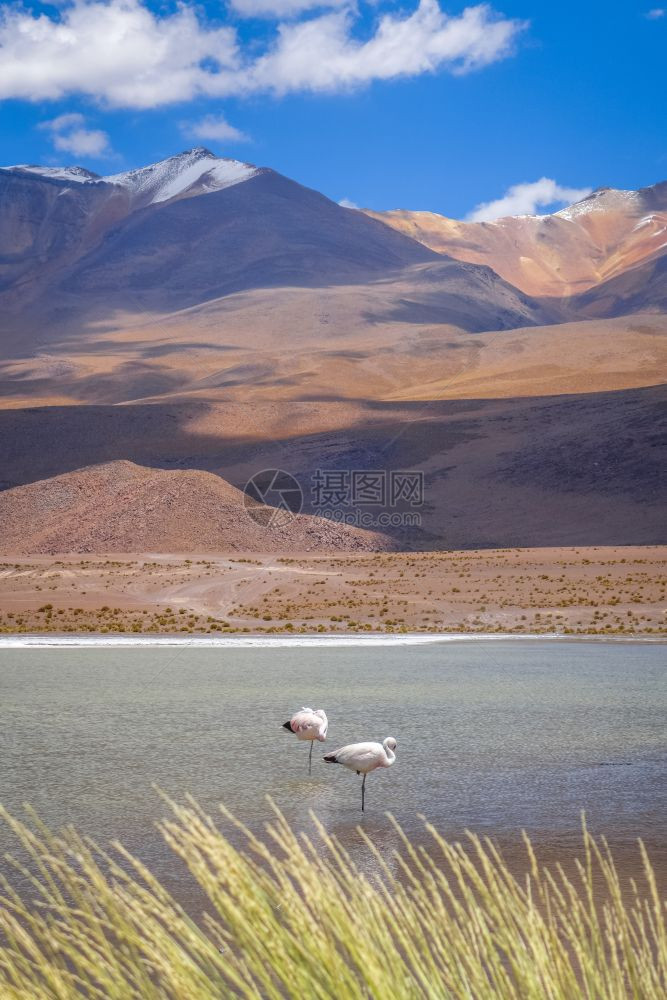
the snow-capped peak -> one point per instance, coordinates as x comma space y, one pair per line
161, 181
78, 174
175, 175
603, 199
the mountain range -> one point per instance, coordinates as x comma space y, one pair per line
206, 314
563, 255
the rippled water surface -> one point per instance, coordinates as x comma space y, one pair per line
492, 736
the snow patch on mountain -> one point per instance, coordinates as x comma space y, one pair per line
603, 200
506, 220
174, 176
77, 174
160, 181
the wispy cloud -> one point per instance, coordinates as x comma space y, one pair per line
656, 13
279, 9
323, 55
69, 134
346, 203
124, 54
524, 199
213, 128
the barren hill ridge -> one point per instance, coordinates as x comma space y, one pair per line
123, 507
562, 254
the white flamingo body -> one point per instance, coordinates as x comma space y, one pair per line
309, 724
364, 758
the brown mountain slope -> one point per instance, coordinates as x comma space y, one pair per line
87, 249
358, 343
562, 470
123, 507
552, 255
50, 217
265, 232
47, 225
83, 256
640, 287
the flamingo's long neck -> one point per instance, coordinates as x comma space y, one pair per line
323, 727
391, 756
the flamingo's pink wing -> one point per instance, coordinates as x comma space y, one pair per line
305, 721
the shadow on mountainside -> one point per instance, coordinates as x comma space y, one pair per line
563, 470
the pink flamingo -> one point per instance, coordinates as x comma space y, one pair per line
364, 758
309, 724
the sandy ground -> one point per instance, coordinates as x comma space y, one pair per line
595, 590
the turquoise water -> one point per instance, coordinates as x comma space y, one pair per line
492, 736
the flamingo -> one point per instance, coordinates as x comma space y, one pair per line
309, 724
364, 758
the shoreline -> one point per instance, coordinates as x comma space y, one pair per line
45, 641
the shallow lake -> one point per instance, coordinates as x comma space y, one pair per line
493, 736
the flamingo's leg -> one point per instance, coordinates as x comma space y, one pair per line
363, 792
310, 758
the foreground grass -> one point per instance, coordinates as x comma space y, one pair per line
294, 917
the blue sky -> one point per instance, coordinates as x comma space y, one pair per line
414, 105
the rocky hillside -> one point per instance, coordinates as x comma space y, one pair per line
123, 507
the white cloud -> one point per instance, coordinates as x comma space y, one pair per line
524, 199
125, 55
321, 54
83, 142
655, 14
69, 135
115, 50
346, 203
277, 9
70, 120
213, 128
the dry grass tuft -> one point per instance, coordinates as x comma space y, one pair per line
295, 917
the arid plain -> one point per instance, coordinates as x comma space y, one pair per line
566, 591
